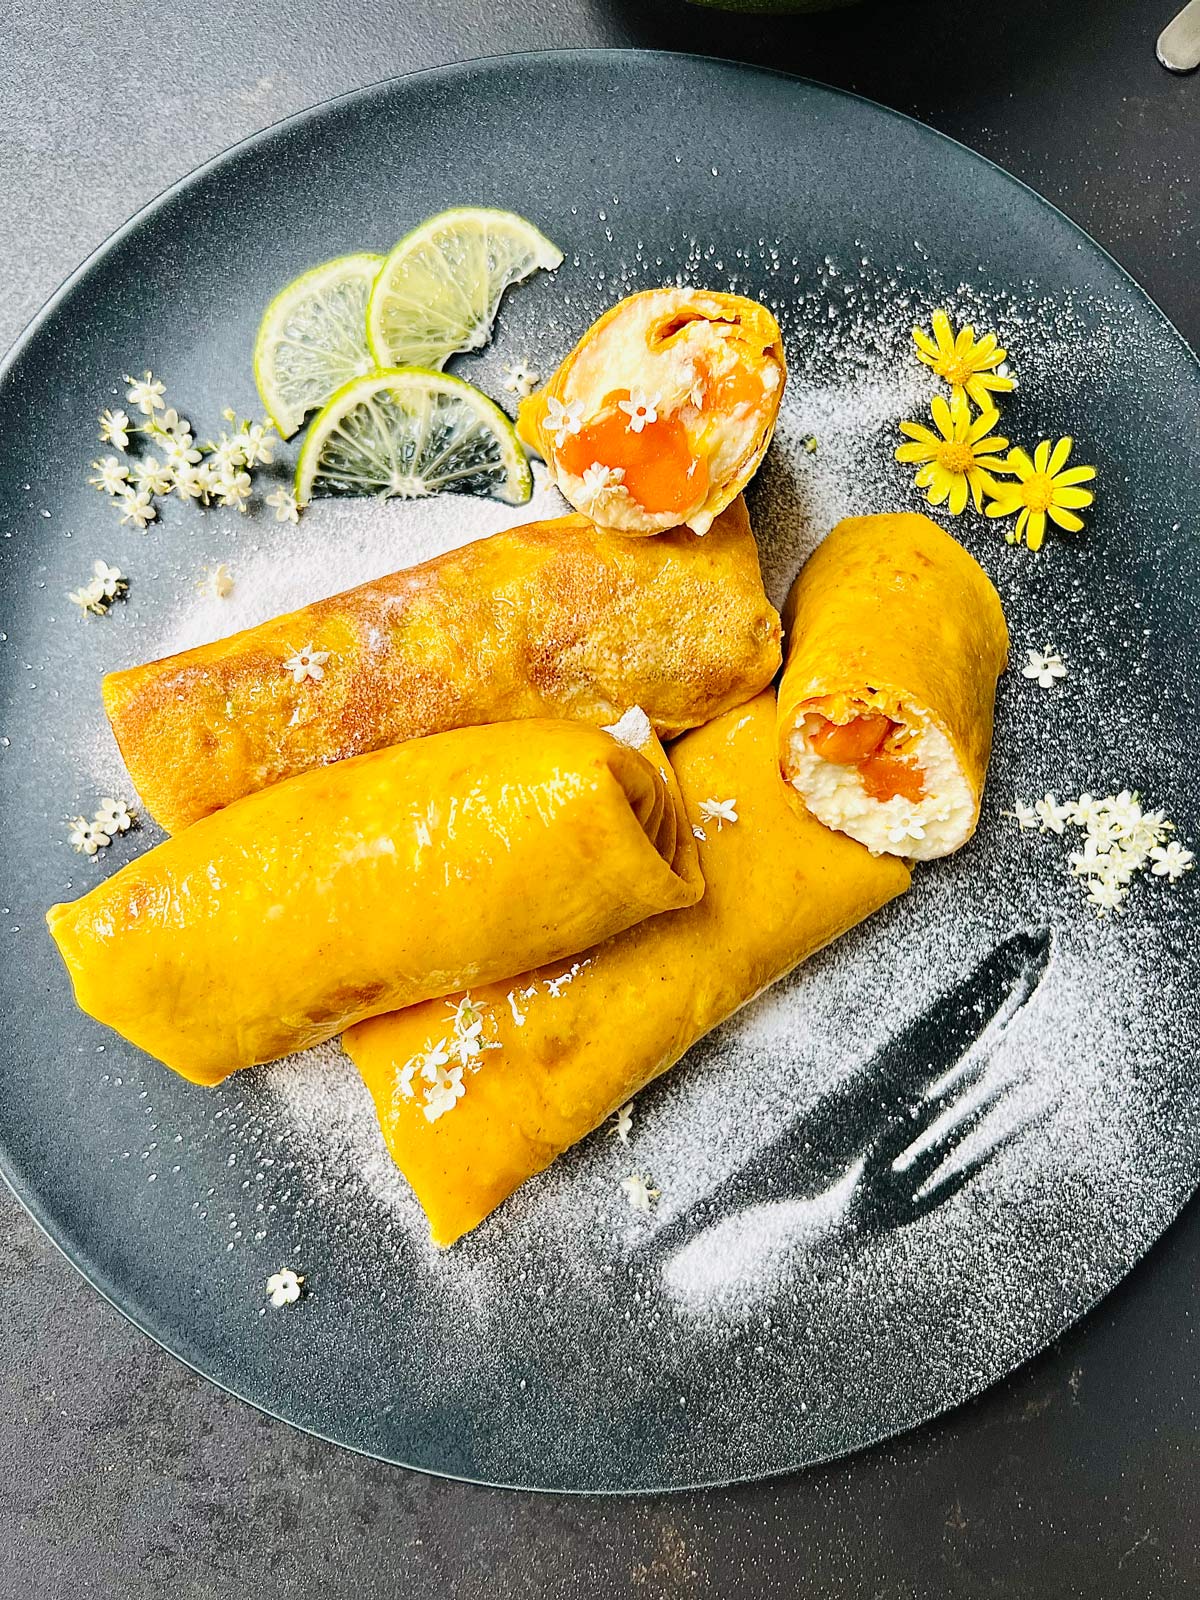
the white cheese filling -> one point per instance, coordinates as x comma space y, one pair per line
921, 830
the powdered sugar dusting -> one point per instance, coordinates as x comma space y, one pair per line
764, 1269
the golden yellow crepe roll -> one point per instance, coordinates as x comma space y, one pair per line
374, 883
542, 1060
553, 619
663, 410
896, 638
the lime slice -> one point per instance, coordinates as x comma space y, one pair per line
439, 289
312, 338
411, 433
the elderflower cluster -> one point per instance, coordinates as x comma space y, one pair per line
111, 817
442, 1084
95, 597
172, 461
1120, 839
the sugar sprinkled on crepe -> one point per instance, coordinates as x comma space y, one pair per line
633, 729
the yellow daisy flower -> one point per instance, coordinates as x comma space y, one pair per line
960, 460
1043, 490
967, 364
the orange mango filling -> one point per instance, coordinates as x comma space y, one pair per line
858, 743
660, 471
737, 387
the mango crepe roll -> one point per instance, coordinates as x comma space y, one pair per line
397, 876
896, 638
553, 619
663, 410
548, 1056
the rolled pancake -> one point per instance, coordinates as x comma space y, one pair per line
553, 619
404, 874
561, 1048
663, 410
896, 638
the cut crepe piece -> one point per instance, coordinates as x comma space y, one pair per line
401, 875
564, 1046
663, 410
553, 619
896, 638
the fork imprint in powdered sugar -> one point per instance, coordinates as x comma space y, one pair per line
883, 1148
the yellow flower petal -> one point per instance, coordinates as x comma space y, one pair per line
914, 430
1065, 519
993, 463
1020, 463
1058, 459
966, 338
925, 477
990, 447
1007, 500
1072, 497
1035, 530
1022, 523
958, 496
1041, 456
942, 417
941, 332
1075, 475
960, 411
983, 424
980, 485
940, 485
925, 344
915, 453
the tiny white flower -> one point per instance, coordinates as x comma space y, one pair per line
307, 663
598, 477
171, 423
520, 379
233, 489
259, 443
906, 826
286, 508
112, 476
445, 1094
228, 455
632, 729
718, 811
90, 598
624, 1122
641, 408
87, 837
1125, 811
1086, 810
150, 474
1105, 896
431, 1063
216, 581
146, 393
137, 506
1045, 666
1024, 815
1050, 814
1171, 861
112, 581
563, 420
284, 1287
180, 451
115, 428
114, 816
638, 1193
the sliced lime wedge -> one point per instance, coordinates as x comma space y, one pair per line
313, 338
439, 289
411, 433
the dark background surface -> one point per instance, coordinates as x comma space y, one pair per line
122, 1474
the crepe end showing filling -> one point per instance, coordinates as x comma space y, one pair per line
891, 781
663, 411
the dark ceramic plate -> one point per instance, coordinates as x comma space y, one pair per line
886, 1184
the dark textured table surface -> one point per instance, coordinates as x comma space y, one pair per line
123, 1474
